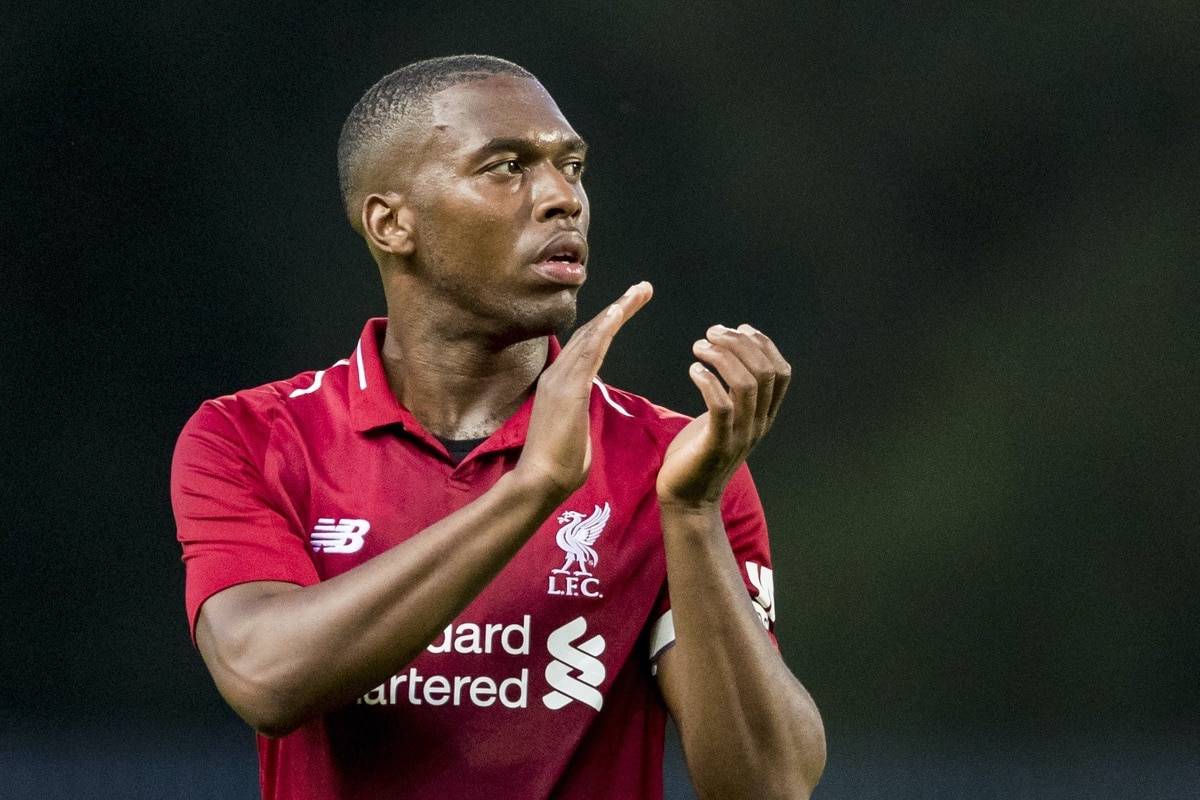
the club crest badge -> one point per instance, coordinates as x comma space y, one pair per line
576, 537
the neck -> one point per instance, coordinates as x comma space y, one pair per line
458, 385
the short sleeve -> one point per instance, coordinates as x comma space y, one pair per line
226, 522
746, 527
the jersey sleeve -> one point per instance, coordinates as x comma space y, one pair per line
746, 527
227, 522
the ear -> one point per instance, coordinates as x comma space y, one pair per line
387, 223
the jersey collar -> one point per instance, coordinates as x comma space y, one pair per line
372, 404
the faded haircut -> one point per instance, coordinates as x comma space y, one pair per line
381, 111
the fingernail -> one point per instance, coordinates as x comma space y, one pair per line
703, 345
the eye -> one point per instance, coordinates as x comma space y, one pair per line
574, 168
510, 167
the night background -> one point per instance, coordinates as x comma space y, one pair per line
972, 229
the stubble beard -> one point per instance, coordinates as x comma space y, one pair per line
502, 318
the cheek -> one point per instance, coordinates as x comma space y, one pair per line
469, 235
489, 225
487, 243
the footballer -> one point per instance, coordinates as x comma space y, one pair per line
455, 563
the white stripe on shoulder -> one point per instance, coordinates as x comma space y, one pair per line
608, 398
362, 375
662, 636
317, 378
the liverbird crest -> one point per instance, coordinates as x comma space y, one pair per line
576, 537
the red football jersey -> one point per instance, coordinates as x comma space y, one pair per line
543, 686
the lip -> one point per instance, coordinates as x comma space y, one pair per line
555, 270
565, 273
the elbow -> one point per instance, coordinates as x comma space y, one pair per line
257, 667
785, 764
792, 769
811, 752
274, 729
264, 695
814, 765
261, 705
263, 712
797, 783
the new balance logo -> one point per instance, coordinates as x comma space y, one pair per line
582, 659
343, 536
763, 579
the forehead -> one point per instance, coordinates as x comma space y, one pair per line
467, 115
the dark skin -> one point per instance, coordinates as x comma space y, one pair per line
481, 200
454, 218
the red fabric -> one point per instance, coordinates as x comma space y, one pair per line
280, 482
746, 527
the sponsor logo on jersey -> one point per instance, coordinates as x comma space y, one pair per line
763, 580
343, 536
483, 691
576, 670
573, 674
576, 537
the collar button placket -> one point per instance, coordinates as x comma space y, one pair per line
459, 478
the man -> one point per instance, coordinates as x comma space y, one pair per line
439, 567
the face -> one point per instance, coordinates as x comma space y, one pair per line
499, 213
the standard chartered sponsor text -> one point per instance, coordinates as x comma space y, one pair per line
467, 638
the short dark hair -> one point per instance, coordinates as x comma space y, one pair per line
397, 95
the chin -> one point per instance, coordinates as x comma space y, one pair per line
546, 317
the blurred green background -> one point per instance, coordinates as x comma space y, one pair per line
972, 228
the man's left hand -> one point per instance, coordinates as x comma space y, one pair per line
705, 454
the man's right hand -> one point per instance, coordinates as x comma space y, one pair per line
558, 448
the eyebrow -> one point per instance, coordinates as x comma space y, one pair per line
517, 144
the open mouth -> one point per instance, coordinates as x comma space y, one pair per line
562, 263
561, 260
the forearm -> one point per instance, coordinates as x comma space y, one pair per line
748, 727
280, 654
302, 651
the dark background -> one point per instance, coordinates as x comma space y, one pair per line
971, 227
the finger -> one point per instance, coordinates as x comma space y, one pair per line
716, 400
631, 302
743, 387
756, 361
590, 343
627, 304
783, 370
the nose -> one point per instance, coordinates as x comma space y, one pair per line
555, 196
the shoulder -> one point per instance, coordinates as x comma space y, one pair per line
621, 409
625, 411
249, 416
